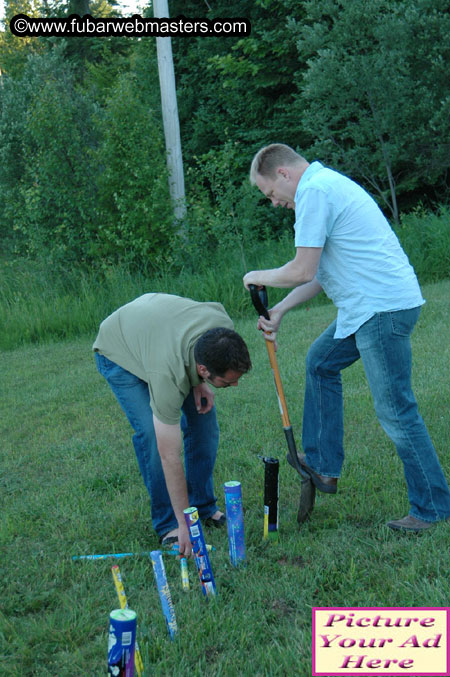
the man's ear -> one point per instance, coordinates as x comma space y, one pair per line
284, 172
202, 371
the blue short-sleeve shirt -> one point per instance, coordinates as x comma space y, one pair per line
363, 268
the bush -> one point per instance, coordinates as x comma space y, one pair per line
425, 237
81, 184
47, 172
134, 216
228, 221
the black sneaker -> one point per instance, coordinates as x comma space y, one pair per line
217, 523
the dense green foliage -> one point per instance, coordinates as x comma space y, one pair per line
240, 89
83, 179
133, 195
70, 486
47, 173
39, 303
378, 105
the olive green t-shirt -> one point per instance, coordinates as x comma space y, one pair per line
153, 337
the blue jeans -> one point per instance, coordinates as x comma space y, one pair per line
383, 344
201, 440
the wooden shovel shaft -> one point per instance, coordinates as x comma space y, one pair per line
292, 449
308, 490
276, 375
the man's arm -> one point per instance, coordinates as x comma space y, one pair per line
300, 270
168, 438
300, 294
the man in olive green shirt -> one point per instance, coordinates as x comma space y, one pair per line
158, 354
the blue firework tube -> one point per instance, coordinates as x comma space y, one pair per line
121, 642
271, 469
106, 556
117, 555
164, 592
138, 664
235, 522
200, 552
184, 574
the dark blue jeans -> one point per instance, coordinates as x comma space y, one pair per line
383, 344
200, 436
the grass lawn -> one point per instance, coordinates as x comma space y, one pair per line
70, 485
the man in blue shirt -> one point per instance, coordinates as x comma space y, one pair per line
345, 246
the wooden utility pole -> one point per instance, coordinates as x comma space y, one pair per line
170, 115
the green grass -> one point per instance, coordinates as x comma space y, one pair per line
70, 485
41, 301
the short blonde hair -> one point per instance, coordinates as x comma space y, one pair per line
269, 158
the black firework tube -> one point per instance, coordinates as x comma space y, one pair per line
271, 469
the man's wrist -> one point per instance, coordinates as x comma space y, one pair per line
181, 520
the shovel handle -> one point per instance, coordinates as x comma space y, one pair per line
278, 385
260, 302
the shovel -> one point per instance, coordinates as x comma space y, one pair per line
308, 490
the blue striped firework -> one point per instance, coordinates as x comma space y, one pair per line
200, 552
164, 592
235, 522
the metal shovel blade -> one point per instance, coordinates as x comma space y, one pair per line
307, 499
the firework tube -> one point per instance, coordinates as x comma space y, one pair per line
271, 468
235, 522
138, 664
119, 586
121, 642
200, 552
164, 592
117, 555
184, 574
174, 550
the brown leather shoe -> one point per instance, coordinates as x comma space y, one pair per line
323, 483
410, 523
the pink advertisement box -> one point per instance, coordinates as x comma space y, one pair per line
363, 641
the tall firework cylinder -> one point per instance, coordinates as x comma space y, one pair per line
138, 664
271, 469
200, 552
235, 522
121, 642
164, 592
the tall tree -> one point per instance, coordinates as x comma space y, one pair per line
47, 176
89, 55
376, 90
133, 211
14, 51
238, 88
